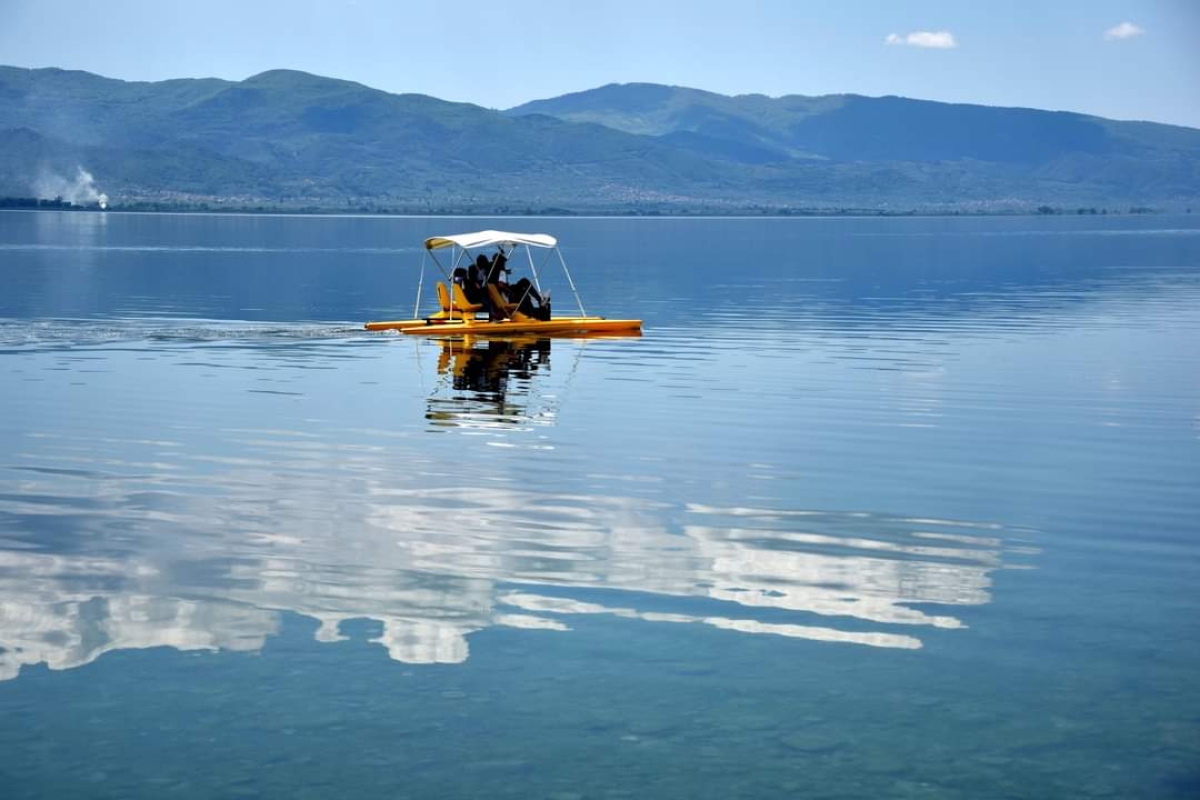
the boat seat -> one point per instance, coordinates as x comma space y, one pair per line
462, 308
499, 302
509, 309
461, 301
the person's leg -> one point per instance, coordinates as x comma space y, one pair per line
523, 288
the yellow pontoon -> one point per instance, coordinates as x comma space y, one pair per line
457, 316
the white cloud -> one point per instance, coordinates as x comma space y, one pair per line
942, 40
1126, 30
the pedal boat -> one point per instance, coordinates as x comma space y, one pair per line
456, 316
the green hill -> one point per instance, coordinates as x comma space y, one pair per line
290, 139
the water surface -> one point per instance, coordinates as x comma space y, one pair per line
875, 507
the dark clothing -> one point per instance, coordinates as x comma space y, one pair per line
479, 270
499, 263
471, 290
518, 291
474, 292
524, 294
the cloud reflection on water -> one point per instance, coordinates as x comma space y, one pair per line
205, 559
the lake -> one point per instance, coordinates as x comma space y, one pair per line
877, 507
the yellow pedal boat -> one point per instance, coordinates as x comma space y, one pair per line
494, 314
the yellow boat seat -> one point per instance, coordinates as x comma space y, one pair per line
461, 301
498, 302
508, 309
462, 307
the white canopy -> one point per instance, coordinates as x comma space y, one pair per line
490, 239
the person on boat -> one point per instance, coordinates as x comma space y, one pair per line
523, 294
500, 261
480, 270
472, 283
542, 310
529, 301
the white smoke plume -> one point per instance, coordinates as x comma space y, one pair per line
79, 192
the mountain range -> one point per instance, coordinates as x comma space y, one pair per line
287, 139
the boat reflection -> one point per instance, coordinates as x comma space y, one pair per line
488, 382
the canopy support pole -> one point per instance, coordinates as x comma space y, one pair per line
570, 282
533, 269
420, 284
433, 255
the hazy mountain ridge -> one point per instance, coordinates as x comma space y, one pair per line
292, 139
854, 127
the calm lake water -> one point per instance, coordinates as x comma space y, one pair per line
874, 508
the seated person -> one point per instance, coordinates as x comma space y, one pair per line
480, 270
454, 301
522, 294
472, 289
500, 261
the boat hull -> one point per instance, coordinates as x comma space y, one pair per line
558, 326
395, 324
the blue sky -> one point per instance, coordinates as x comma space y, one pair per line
1126, 60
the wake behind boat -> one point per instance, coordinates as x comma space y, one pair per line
477, 299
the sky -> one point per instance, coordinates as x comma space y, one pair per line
1123, 59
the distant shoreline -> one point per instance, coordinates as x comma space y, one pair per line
35, 204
